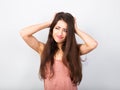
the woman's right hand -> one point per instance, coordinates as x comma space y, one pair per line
52, 19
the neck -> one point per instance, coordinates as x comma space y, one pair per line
59, 46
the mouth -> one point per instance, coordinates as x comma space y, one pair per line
59, 37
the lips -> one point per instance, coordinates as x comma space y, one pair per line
60, 37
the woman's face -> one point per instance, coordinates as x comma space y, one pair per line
60, 31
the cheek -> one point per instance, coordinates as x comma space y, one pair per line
65, 35
54, 33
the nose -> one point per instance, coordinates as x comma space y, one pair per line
60, 32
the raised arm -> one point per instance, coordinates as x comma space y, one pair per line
89, 42
27, 35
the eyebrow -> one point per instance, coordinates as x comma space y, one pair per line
60, 27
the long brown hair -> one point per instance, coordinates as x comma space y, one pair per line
71, 57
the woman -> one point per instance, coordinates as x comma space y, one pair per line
60, 65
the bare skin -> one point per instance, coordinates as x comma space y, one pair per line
59, 34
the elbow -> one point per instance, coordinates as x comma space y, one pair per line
94, 45
22, 33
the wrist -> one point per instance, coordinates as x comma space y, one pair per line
77, 30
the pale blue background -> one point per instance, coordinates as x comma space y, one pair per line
19, 64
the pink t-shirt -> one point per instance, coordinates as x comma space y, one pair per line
61, 79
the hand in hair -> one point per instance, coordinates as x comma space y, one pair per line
51, 20
76, 27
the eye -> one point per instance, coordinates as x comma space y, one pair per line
65, 30
57, 28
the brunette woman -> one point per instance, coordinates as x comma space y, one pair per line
60, 65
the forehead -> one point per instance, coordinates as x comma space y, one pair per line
61, 24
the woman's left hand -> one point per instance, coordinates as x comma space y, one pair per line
76, 27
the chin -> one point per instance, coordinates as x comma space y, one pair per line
59, 42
